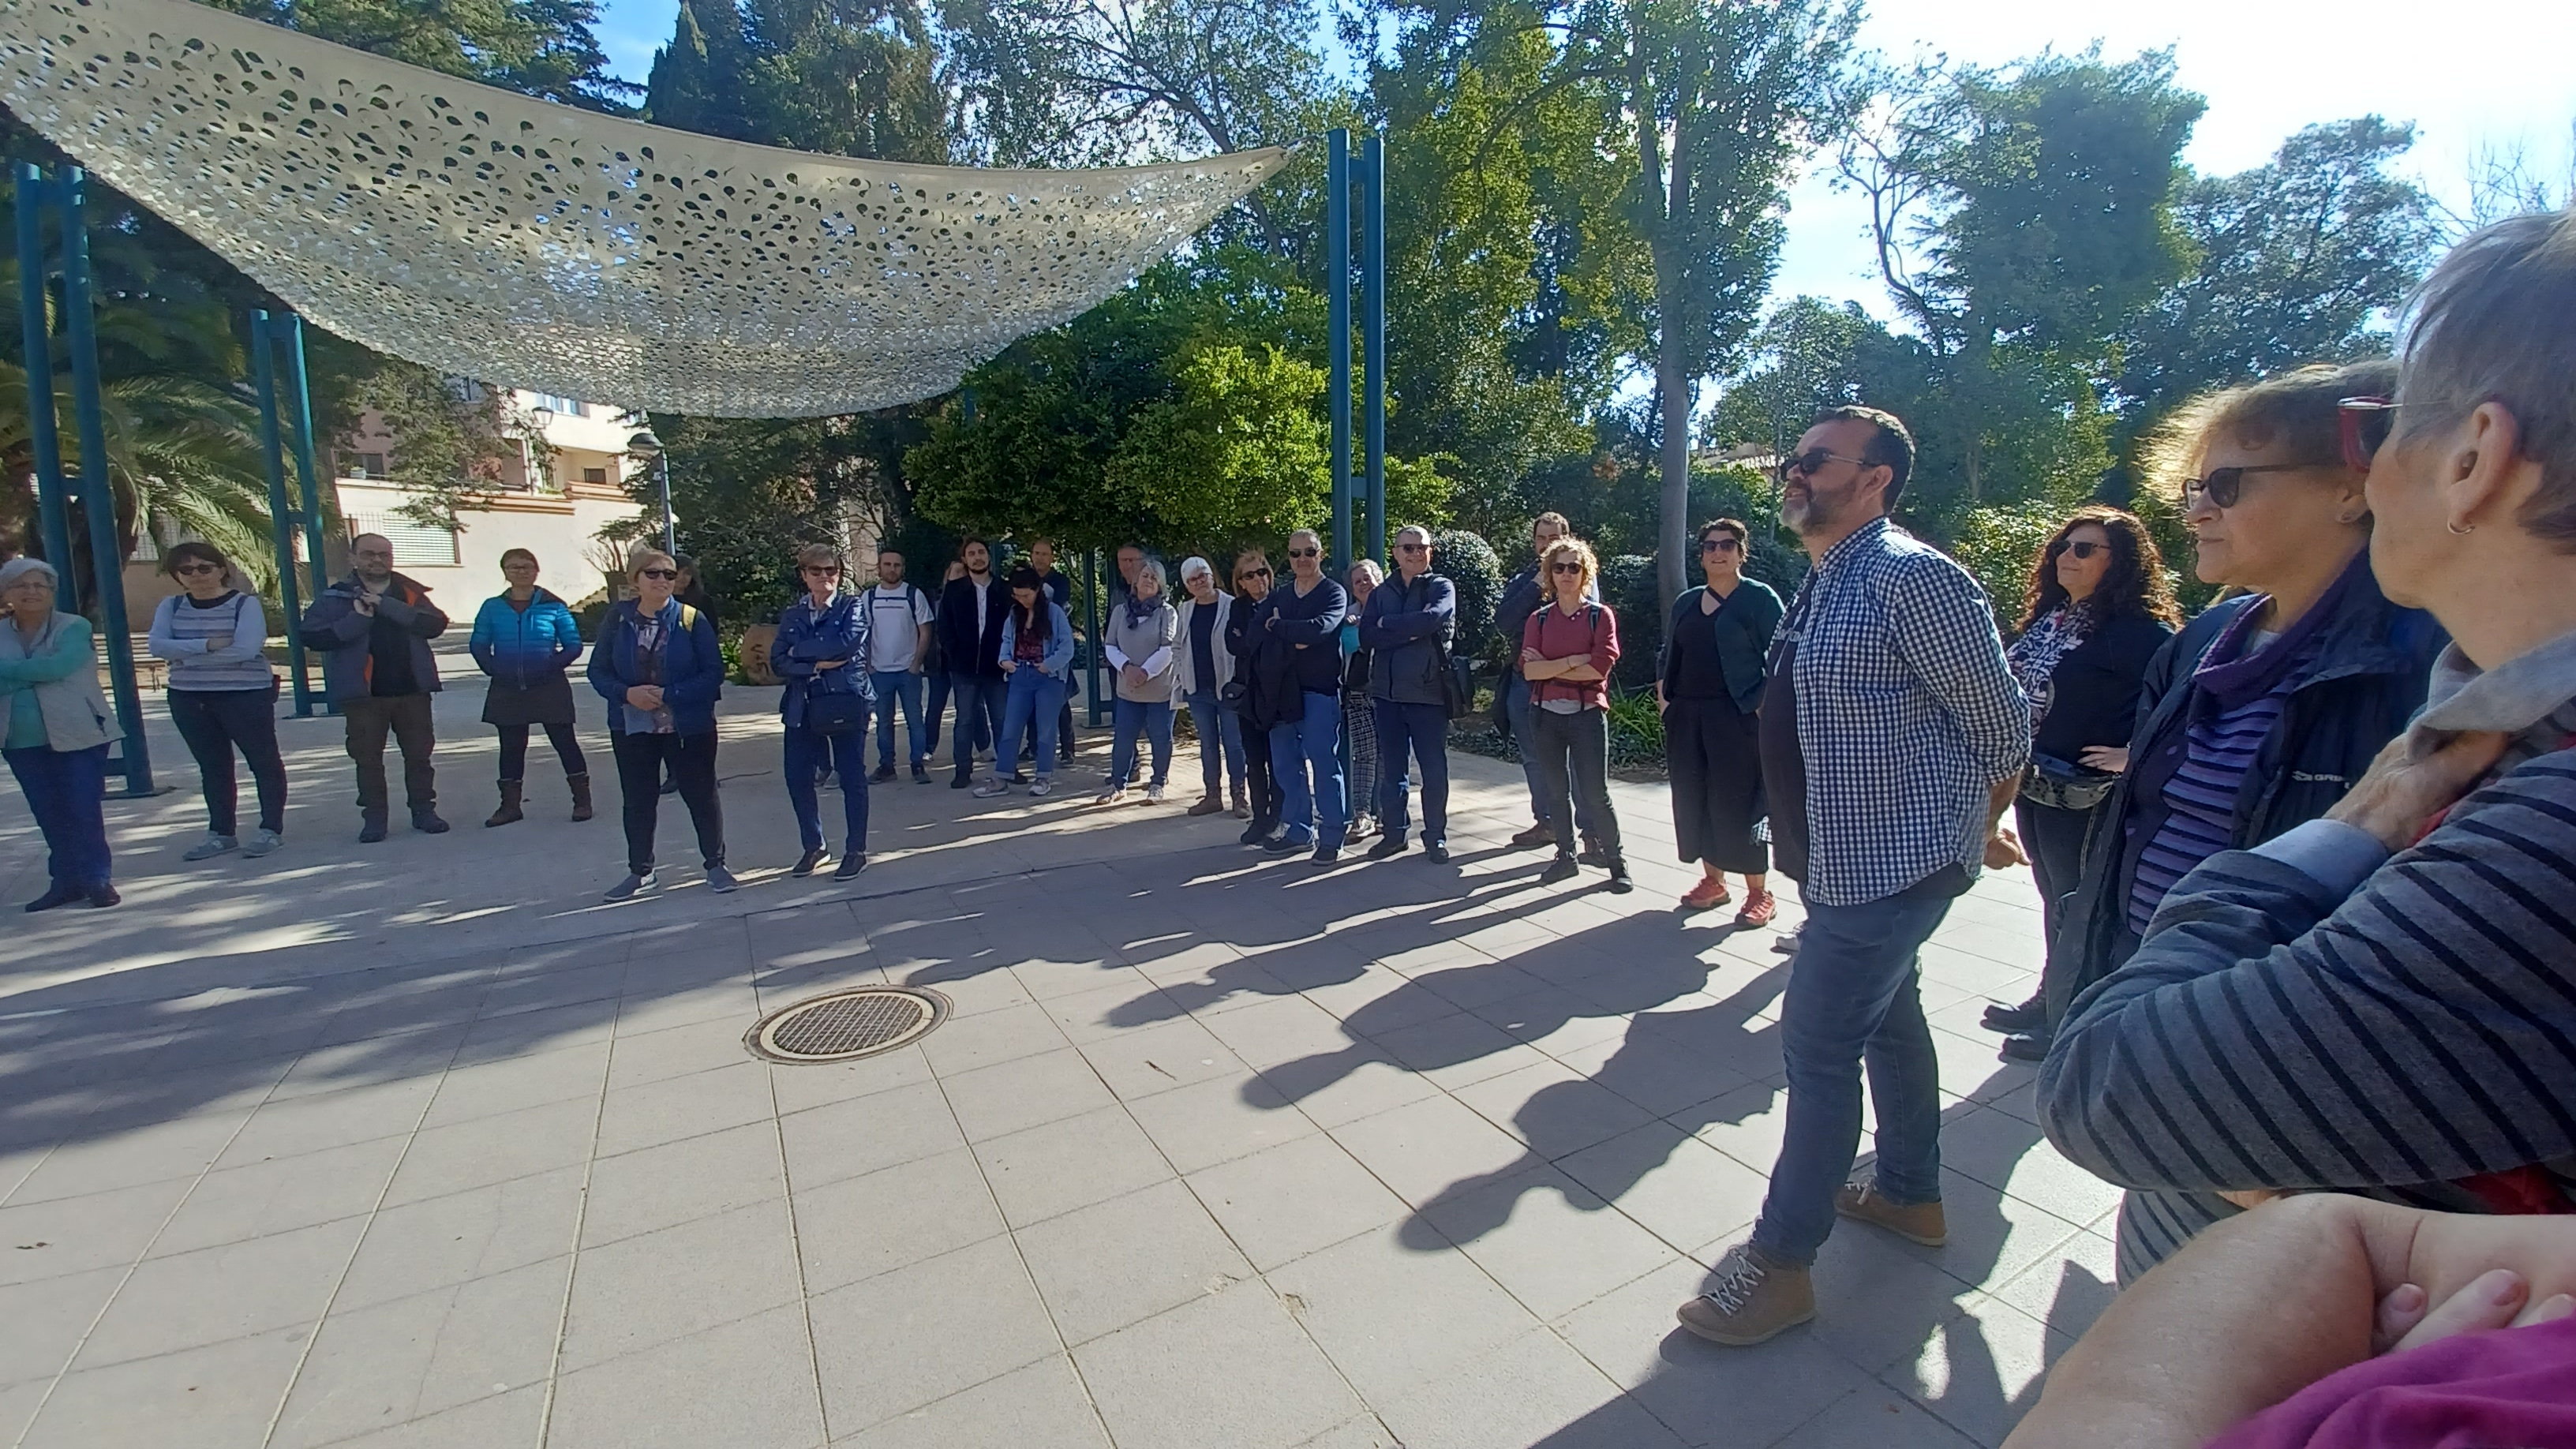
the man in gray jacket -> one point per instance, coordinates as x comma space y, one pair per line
373, 630
1407, 626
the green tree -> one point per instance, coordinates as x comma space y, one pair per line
541, 48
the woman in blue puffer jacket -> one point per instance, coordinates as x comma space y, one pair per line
525, 638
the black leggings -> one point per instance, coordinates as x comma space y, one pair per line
692, 759
215, 722
514, 750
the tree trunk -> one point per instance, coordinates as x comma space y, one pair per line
1666, 203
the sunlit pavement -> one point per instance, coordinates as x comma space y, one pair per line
420, 1144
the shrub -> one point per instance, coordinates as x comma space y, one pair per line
1628, 586
1469, 562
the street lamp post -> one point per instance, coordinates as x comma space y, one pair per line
649, 446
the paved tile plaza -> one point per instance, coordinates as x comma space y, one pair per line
420, 1145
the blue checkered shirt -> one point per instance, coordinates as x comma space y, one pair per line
1907, 714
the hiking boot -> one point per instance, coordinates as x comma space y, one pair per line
1536, 835
1620, 883
720, 880
851, 864
2030, 1016
1437, 852
634, 885
1387, 847
1242, 806
57, 894
1208, 805
210, 847
509, 813
580, 795
1559, 869
426, 821
1920, 1222
262, 841
810, 862
1761, 908
371, 828
1752, 1300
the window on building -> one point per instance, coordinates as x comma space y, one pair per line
569, 407
416, 545
362, 465
594, 475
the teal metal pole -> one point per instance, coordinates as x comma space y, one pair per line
97, 490
281, 517
1373, 332
38, 338
1337, 275
299, 402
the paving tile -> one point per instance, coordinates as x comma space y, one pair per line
388, 1364
1552, 1108
221, 1396
973, 989
1278, 1029
852, 1138
493, 1038
1425, 1149
898, 1341
1873, 1417
645, 1291
1231, 1369
215, 1294
1875, 1303
820, 1084
73, 1235
379, 1057
645, 1057
517, 1417
860, 1227
1664, 1076
728, 1008
179, 1148
1534, 1389
1457, 1050
683, 1107
1391, 1316
1711, 1396
297, 1125
442, 1241
1364, 1432
1074, 1163
679, 1182
264, 1198
749, 1382
1154, 1059
495, 1149
1218, 1120
2070, 1287
1042, 1406
1992, 1237
560, 986
488, 1089
1010, 1097
2001, 1150
1982, 1371
1284, 1202
1542, 1236
1677, 1187
1746, 1123
42, 1322
1103, 1267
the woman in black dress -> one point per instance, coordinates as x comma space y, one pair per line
1714, 648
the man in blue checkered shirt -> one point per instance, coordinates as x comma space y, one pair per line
1893, 737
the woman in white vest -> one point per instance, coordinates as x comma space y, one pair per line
58, 732
1199, 676
223, 696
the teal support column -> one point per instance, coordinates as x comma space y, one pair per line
1337, 276
299, 405
97, 490
1373, 333
281, 516
37, 337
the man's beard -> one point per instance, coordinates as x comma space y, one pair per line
1822, 508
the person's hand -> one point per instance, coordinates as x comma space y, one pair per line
2498, 1298
364, 603
829, 663
2003, 850
1132, 676
1010, 666
2399, 795
917, 668
2113, 759
645, 696
2250, 1197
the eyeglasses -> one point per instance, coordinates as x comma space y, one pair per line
1719, 544
657, 573
2223, 486
1565, 568
2365, 423
194, 569
2088, 547
1813, 461
1305, 553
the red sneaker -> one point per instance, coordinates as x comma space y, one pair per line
1759, 909
1706, 894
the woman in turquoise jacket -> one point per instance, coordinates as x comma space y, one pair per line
525, 638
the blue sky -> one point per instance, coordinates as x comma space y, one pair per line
2499, 77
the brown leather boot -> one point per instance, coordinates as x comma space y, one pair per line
1208, 804
1753, 1299
580, 795
1921, 1222
509, 813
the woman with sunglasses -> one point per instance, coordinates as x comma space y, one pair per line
2097, 610
1260, 801
659, 667
1568, 647
2262, 711
525, 638
1715, 646
223, 696
1359, 713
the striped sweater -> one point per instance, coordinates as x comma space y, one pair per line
224, 647
2315, 1014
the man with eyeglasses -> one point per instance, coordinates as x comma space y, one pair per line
373, 630
1523, 593
1892, 739
1407, 626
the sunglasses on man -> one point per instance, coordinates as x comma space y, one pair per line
1812, 462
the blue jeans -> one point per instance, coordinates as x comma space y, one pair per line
1220, 740
979, 720
847, 754
1854, 996
1517, 708
903, 685
1033, 699
1314, 813
1154, 721
1423, 729
66, 791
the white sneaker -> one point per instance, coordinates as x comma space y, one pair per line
210, 847
1153, 794
991, 788
1041, 786
262, 842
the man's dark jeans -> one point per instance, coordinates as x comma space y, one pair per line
1424, 730
406, 716
979, 718
1854, 996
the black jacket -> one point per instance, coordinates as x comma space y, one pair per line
961, 649
1265, 667
2094, 692
2369, 681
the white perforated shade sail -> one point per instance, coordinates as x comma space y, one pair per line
494, 236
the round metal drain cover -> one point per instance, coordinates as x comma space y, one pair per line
847, 1024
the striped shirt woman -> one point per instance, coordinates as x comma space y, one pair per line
222, 695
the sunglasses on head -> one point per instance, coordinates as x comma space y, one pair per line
1813, 461
658, 573
2223, 486
1723, 543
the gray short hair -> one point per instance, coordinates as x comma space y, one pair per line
2491, 324
1413, 528
21, 566
1152, 568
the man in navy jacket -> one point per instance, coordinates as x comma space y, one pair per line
1407, 627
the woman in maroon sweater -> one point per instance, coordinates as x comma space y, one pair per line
1567, 648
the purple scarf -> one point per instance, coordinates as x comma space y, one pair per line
2516, 1386
2235, 681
